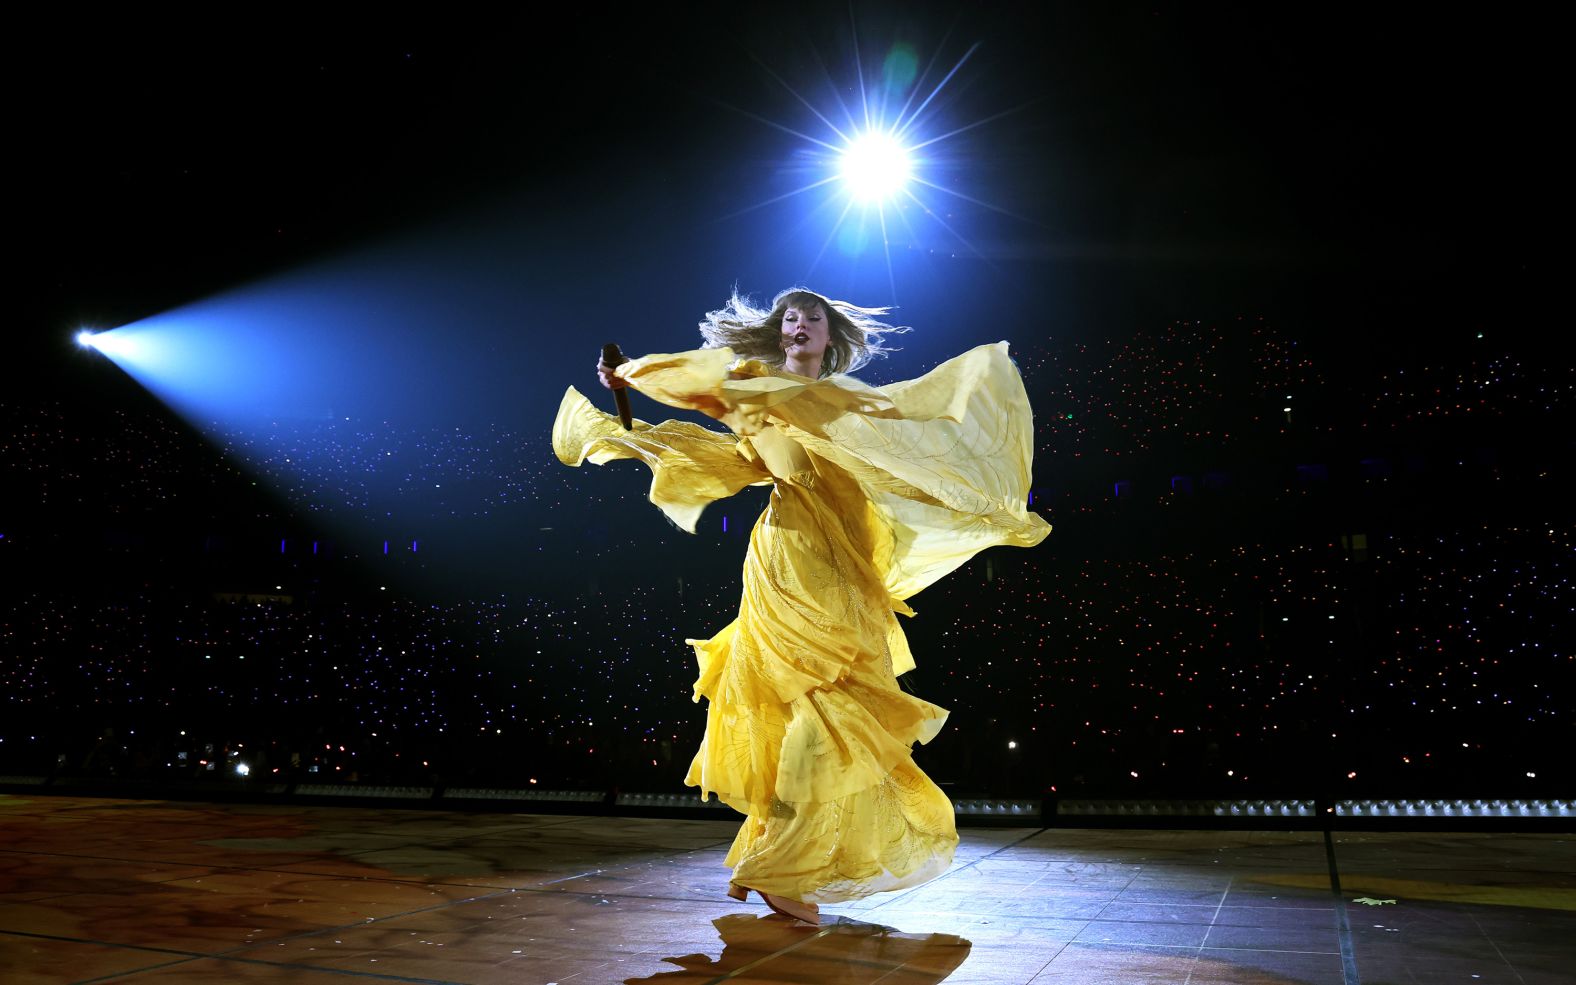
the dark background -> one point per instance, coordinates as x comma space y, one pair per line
1186, 213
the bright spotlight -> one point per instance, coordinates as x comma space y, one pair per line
875, 166
121, 345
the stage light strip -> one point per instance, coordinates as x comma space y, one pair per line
1186, 808
370, 790
667, 800
1418, 809
1455, 808
996, 808
973, 808
557, 796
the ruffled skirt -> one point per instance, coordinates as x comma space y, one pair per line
809, 735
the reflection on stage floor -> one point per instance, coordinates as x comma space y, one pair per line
158, 892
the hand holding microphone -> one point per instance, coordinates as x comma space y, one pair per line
611, 357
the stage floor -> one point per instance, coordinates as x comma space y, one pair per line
161, 892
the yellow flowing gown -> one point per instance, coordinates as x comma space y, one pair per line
877, 493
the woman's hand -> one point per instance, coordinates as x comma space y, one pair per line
604, 373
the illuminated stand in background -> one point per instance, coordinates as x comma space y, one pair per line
1416, 815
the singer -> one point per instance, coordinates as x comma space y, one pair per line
877, 492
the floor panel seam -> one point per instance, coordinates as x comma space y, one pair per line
1343, 924
292, 965
1495, 945
768, 957
1195, 947
952, 871
1205, 939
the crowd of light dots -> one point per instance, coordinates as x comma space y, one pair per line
54, 457
387, 676
1428, 648
1510, 617
1207, 385
1212, 384
1203, 384
58, 455
1482, 386
377, 468
1089, 638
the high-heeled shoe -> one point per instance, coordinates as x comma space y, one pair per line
738, 892
808, 912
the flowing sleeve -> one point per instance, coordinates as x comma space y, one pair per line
945, 462
691, 466
741, 393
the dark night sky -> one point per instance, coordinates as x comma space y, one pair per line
1372, 180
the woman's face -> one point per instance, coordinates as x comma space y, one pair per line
805, 330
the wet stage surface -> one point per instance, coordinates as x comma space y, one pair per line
162, 892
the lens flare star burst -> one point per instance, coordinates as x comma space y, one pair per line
876, 164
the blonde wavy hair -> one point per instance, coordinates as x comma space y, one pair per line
854, 333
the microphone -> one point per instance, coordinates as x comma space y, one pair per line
611, 356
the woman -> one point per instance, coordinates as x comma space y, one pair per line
876, 493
